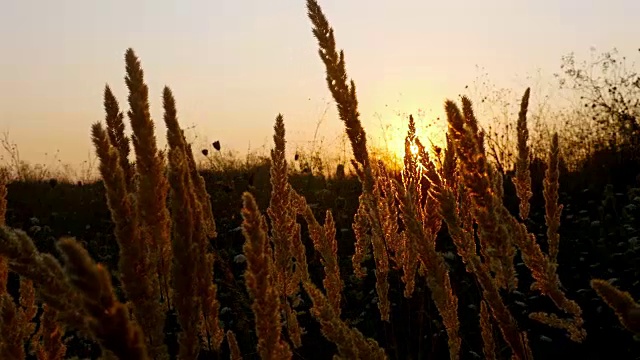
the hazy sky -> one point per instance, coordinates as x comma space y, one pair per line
234, 64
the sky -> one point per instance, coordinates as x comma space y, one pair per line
233, 65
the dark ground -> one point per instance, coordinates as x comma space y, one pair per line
599, 239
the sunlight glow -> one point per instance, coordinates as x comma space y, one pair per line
414, 149
389, 138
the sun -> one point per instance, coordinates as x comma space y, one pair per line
392, 149
388, 138
414, 149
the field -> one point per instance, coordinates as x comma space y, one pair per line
458, 254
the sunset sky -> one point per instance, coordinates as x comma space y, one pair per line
235, 64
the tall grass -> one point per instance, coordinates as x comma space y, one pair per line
166, 234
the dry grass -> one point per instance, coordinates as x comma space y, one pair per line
165, 229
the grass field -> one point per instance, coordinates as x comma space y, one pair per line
451, 256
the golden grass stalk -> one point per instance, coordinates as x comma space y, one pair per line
422, 225
343, 93
523, 175
176, 139
16, 320
285, 234
327, 245
437, 275
47, 343
185, 247
142, 222
350, 342
185, 175
11, 345
261, 283
381, 258
454, 204
553, 210
152, 188
81, 293
108, 319
234, 349
138, 277
346, 100
411, 175
46, 274
294, 330
115, 129
28, 309
210, 329
544, 272
448, 172
407, 253
384, 193
486, 330
625, 307
324, 241
496, 225
285, 205
497, 249
458, 217
285, 231
361, 228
